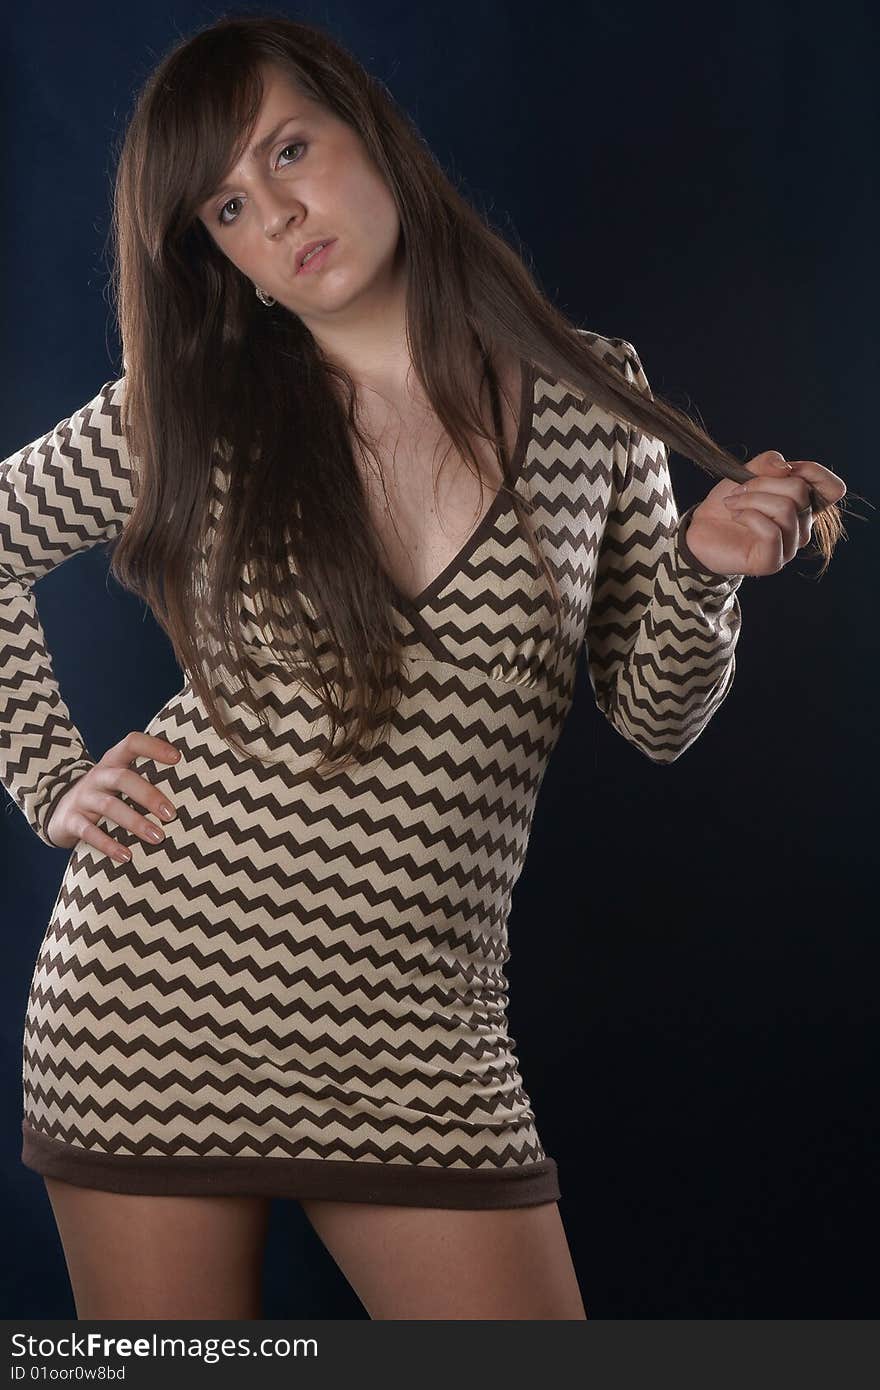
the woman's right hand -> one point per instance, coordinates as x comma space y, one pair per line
96, 794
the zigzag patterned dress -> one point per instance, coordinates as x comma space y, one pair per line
301, 991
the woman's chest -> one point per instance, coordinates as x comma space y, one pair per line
424, 500
423, 503
469, 588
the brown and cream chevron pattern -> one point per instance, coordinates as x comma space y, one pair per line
301, 991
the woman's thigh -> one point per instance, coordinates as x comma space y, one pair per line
427, 1262
131, 1256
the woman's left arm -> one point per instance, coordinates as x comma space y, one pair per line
662, 628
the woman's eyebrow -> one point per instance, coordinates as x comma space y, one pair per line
260, 147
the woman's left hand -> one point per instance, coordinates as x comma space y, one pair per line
756, 527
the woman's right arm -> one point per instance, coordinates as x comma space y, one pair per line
69, 490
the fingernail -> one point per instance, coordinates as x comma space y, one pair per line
780, 463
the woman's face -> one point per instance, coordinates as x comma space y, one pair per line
314, 179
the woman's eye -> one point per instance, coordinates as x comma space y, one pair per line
292, 145
226, 222
220, 218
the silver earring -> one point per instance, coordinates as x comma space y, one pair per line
263, 297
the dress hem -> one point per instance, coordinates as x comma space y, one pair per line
343, 1180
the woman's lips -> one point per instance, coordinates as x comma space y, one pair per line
315, 261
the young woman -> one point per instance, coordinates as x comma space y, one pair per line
275, 965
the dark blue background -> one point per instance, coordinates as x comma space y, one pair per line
695, 963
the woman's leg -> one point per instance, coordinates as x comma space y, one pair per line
132, 1256
426, 1262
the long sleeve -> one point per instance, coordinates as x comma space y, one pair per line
69, 490
661, 632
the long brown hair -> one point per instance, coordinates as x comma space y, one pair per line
243, 432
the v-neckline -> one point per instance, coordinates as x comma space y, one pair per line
412, 607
